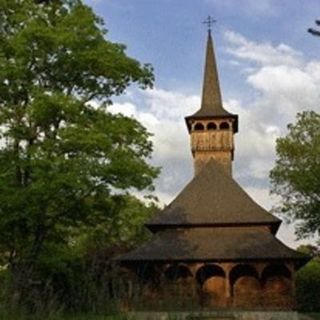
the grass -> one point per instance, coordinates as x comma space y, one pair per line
91, 317
19, 315
315, 316
5, 316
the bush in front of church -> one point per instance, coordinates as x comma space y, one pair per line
308, 287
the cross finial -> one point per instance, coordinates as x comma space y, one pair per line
209, 21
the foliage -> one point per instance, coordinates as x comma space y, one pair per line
124, 226
296, 175
314, 31
81, 275
67, 165
308, 287
309, 249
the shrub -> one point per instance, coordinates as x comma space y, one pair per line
308, 286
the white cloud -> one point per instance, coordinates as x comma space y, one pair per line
313, 69
288, 79
260, 195
128, 109
170, 105
261, 53
284, 84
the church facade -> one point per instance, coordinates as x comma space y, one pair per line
213, 244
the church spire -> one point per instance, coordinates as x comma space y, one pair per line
211, 102
212, 127
211, 94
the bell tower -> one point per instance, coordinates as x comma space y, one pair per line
212, 127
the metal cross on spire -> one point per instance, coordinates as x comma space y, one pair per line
209, 21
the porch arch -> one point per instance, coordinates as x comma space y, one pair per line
208, 271
245, 285
212, 281
277, 286
242, 270
177, 271
277, 278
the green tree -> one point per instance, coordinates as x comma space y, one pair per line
308, 286
81, 275
296, 175
314, 31
309, 249
65, 161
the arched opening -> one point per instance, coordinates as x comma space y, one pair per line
224, 126
277, 285
245, 285
208, 271
242, 270
212, 280
199, 127
176, 272
275, 270
211, 126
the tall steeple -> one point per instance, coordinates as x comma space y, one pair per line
211, 103
212, 127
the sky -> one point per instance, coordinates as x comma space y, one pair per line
269, 70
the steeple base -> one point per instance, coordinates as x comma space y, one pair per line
222, 157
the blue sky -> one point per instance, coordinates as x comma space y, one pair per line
269, 69
169, 33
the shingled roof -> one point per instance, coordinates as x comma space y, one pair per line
212, 198
214, 244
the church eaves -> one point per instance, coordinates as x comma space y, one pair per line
215, 245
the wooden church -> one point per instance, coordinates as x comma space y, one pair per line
213, 242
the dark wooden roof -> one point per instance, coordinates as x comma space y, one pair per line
214, 244
212, 198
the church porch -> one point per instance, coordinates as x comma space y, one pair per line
211, 286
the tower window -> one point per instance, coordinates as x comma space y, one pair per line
224, 126
199, 127
211, 126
